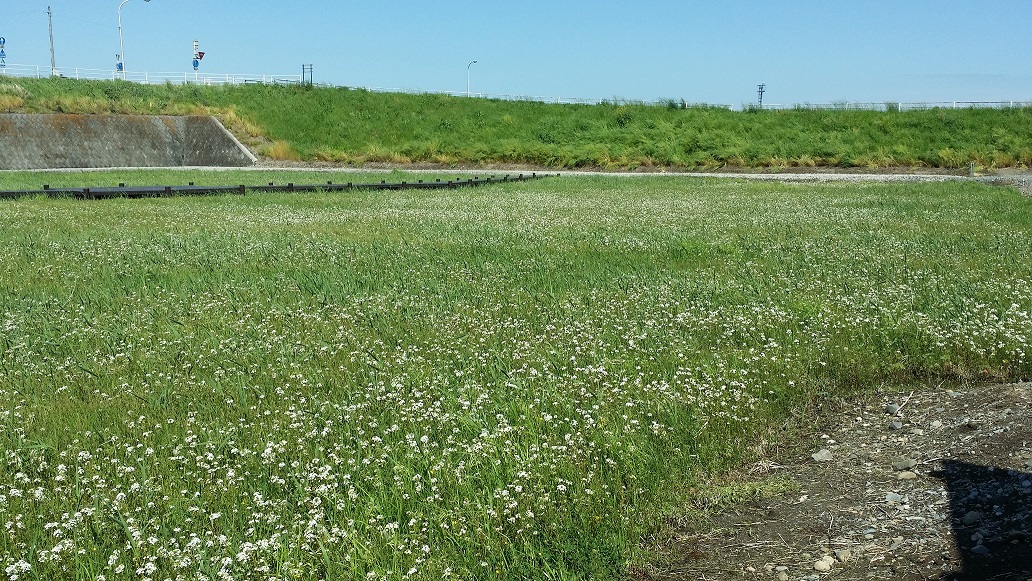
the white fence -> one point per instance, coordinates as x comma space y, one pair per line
39, 72
196, 78
899, 106
189, 78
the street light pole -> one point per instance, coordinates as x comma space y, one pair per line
467, 76
121, 48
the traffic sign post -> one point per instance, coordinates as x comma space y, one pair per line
3, 56
197, 55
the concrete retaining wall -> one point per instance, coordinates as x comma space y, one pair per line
89, 141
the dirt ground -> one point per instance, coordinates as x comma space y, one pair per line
933, 484
1020, 178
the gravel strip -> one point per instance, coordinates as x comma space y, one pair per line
931, 485
1019, 179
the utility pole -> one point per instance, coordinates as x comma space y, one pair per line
53, 61
760, 89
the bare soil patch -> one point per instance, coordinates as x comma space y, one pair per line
934, 484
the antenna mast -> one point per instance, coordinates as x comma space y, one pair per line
53, 61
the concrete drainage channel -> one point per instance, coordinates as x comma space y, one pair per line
123, 191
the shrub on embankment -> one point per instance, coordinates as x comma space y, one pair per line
357, 126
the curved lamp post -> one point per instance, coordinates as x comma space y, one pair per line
467, 74
121, 49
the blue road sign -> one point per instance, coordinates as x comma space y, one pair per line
3, 54
3, 41
196, 63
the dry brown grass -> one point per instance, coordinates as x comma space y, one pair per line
280, 151
240, 125
11, 103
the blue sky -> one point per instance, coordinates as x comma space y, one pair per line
713, 52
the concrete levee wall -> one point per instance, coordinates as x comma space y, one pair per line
93, 141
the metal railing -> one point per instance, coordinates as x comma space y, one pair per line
145, 78
192, 78
895, 106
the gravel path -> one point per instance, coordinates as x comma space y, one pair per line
928, 485
1019, 178
1022, 179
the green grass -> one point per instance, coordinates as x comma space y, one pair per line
357, 127
509, 382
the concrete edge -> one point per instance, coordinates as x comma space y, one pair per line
241, 146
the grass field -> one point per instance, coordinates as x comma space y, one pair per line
356, 126
511, 382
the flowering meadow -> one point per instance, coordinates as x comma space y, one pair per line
509, 382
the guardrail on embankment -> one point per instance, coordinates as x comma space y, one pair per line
897, 106
148, 78
123, 191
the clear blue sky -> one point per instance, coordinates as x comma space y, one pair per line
806, 51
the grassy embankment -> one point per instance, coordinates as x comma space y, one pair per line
513, 382
355, 126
